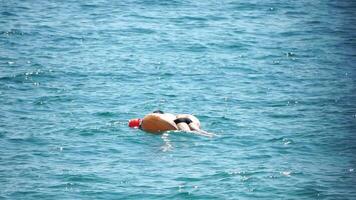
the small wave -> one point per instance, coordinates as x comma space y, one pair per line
89, 6
105, 114
197, 48
23, 76
291, 33
285, 116
242, 6
192, 18
84, 178
139, 30
161, 2
6, 13
296, 13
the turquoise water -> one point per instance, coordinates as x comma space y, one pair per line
274, 80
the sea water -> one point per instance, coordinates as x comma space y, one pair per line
274, 80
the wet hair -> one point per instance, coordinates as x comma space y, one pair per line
158, 111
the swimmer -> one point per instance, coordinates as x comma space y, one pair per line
158, 122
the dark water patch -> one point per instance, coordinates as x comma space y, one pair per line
295, 13
89, 6
69, 186
106, 114
90, 178
314, 22
215, 18
138, 30
191, 195
165, 3
291, 33
190, 21
188, 179
343, 5
54, 99
30, 140
140, 16
28, 194
285, 116
13, 32
30, 76
92, 131
3, 133
192, 18
280, 139
197, 48
244, 6
8, 14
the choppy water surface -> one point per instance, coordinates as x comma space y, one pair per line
274, 80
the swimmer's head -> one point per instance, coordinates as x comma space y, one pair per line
134, 123
158, 111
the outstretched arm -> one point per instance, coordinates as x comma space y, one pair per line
197, 130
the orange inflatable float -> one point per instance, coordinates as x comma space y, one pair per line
155, 123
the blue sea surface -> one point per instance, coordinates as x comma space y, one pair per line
274, 80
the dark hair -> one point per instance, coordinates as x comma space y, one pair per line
158, 111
